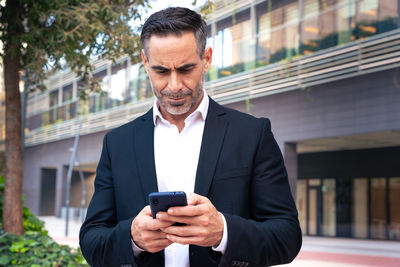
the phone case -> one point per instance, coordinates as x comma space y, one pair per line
161, 201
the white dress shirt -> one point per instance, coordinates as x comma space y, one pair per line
176, 157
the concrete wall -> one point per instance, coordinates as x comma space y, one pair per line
56, 155
364, 104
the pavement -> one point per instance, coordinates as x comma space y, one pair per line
315, 252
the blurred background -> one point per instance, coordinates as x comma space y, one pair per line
327, 74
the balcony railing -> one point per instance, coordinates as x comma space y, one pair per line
374, 54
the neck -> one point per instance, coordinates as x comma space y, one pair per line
177, 120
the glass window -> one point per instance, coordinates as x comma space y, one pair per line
139, 85
233, 49
344, 21
319, 32
53, 98
378, 208
360, 208
314, 205
329, 207
133, 86
277, 31
53, 112
98, 101
312, 182
301, 194
67, 92
117, 85
374, 16
394, 198
67, 111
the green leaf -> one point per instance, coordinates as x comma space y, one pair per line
4, 260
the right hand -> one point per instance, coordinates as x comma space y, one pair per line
146, 233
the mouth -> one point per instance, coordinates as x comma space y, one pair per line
176, 97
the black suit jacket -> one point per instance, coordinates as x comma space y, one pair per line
240, 170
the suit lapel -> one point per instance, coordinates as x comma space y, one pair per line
213, 136
144, 151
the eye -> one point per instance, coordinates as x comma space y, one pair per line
185, 70
162, 71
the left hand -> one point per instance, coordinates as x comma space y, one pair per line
204, 224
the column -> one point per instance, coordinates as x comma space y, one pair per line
59, 190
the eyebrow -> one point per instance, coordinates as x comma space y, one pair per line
184, 67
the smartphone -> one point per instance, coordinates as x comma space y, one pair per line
161, 201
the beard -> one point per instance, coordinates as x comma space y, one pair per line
185, 98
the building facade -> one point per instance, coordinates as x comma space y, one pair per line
327, 74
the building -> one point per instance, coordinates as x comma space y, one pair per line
327, 74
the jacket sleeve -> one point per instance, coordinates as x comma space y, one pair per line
105, 241
272, 234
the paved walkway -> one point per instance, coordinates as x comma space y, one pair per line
346, 252
56, 228
315, 252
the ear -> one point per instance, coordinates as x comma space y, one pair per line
144, 60
207, 58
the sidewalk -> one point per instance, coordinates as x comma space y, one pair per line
346, 252
315, 252
56, 228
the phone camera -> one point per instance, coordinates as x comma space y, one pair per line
155, 201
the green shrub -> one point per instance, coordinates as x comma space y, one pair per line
35, 248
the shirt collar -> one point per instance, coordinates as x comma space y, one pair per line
202, 109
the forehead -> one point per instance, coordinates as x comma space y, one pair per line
172, 48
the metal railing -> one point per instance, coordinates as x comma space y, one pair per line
374, 54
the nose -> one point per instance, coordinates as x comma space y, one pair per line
175, 82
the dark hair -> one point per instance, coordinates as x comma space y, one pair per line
175, 20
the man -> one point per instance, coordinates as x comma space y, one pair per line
240, 210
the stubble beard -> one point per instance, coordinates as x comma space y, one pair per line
179, 108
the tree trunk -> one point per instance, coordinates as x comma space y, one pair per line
12, 205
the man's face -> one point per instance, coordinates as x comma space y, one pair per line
176, 72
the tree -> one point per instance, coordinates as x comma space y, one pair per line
39, 37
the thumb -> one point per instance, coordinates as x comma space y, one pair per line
146, 210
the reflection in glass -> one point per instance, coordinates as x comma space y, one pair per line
360, 208
378, 208
394, 230
277, 32
233, 49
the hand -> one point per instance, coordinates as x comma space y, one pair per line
204, 224
146, 233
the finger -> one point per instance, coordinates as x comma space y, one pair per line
195, 199
188, 210
155, 224
189, 220
183, 231
192, 240
149, 236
